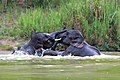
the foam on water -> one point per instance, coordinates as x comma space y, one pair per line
83, 58
24, 56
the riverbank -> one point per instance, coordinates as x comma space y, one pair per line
107, 53
10, 44
98, 20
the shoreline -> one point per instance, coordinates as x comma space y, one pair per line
107, 52
6, 52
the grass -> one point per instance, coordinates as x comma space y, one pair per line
97, 19
59, 70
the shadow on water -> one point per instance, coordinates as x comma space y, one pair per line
24, 67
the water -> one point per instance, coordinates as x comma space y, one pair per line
22, 56
26, 67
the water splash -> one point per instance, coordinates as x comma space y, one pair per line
23, 56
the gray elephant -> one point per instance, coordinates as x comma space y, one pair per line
66, 37
83, 49
35, 44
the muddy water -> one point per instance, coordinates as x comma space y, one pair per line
25, 67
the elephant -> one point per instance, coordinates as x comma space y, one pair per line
41, 41
26, 49
83, 49
75, 49
42, 44
66, 37
38, 41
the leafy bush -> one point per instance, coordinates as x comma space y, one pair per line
97, 19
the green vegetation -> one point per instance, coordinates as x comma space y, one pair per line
97, 19
60, 70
